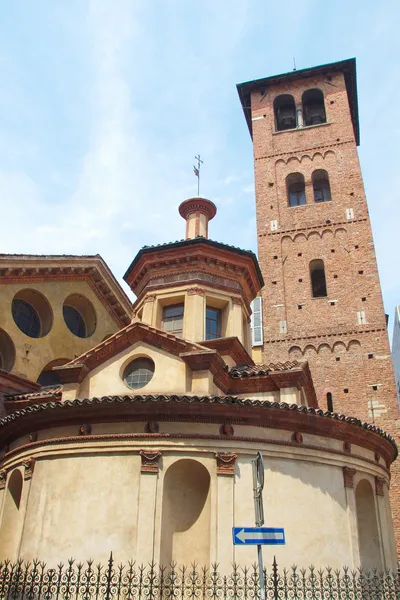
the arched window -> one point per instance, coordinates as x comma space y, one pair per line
322, 189
296, 189
329, 401
285, 112
318, 281
313, 107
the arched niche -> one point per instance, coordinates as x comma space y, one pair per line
11, 519
186, 514
368, 537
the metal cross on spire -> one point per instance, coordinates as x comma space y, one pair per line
197, 172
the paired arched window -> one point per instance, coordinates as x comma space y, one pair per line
313, 107
296, 189
322, 189
285, 112
318, 280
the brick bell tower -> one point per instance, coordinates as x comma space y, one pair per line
322, 299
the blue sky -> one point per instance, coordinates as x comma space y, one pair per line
104, 103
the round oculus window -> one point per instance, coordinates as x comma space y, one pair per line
139, 373
79, 315
32, 313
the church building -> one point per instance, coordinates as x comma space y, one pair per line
132, 429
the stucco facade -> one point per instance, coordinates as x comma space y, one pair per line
159, 469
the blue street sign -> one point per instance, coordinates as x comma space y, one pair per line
255, 536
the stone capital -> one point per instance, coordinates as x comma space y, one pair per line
196, 291
226, 463
150, 461
29, 467
348, 477
379, 483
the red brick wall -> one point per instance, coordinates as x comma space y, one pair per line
324, 332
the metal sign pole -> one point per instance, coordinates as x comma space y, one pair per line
258, 486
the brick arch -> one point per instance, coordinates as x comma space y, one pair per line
327, 233
305, 156
314, 235
340, 232
292, 159
314, 156
324, 348
353, 345
339, 348
280, 160
329, 153
295, 352
310, 349
300, 237
287, 239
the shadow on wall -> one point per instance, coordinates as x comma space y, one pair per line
9, 532
368, 537
186, 514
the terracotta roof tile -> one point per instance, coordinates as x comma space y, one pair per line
241, 371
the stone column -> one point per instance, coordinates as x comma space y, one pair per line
225, 490
351, 513
299, 113
147, 505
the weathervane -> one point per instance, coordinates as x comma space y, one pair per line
197, 172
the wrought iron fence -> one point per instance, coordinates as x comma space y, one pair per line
78, 581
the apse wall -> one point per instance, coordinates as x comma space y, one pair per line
153, 496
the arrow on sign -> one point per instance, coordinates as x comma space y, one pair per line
258, 535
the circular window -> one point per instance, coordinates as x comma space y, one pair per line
7, 351
79, 316
32, 313
138, 373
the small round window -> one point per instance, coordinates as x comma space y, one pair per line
32, 313
138, 373
79, 316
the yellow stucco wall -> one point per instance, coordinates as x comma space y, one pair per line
32, 354
94, 499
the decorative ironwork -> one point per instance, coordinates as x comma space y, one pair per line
150, 460
226, 463
87, 581
3, 479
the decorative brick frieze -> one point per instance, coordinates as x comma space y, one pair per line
348, 477
226, 463
29, 467
379, 483
150, 461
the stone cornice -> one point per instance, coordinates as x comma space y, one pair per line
31, 269
208, 409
